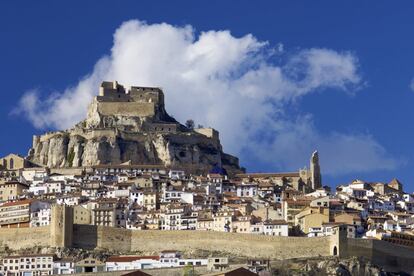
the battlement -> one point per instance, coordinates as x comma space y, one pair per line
115, 92
209, 132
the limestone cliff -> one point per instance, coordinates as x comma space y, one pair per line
131, 125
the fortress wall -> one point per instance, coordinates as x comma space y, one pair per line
149, 242
20, 238
247, 245
384, 254
85, 236
114, 238
126, 109
91, 236
89, 134
49, 135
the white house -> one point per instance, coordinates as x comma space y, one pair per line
64, 266
246, 189
276, 228
119, 263
40, 217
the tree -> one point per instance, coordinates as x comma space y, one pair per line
190, 124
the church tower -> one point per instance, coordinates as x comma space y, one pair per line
315, 171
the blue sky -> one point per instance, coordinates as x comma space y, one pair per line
359, 117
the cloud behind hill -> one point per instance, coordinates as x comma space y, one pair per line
238, 85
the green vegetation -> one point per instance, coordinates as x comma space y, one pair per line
71, 156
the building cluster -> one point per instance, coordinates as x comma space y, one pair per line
49, 264
151, 197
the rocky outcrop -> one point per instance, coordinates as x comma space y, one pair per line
327, 266
134, 127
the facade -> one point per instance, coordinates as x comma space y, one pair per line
30, 265
81, 215
17, 214
118, 263
13, 162
310, 218
41, 217
89, 265
217, 264
104, 212
12, 190
64, 266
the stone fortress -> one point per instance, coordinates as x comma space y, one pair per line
63, 233
131, 126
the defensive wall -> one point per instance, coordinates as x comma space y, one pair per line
21, 238
63, 233
392, 257
246, 245
139, 109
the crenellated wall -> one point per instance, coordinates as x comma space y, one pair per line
62, 232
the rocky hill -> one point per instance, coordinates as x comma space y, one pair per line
131, 125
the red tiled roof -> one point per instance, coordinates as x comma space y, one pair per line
20, 202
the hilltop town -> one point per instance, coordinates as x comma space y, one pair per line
131, 166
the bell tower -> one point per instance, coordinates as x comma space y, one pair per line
315, 171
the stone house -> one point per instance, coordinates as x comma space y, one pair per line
241, 224
14, 162
311, 217
217, 264
12, 190
81, 215
222, 221
292, 206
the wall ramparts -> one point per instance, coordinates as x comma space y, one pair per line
392, 257
385, 254
20, 238
140, 109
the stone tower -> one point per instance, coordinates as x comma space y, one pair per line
315, 171
338, 242
61, 226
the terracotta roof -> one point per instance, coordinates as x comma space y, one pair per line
136, 273
20, 202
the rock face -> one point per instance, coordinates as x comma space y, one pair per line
131, 126
352, 266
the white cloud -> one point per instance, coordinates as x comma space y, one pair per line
412, 84
341, 153
238, 85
